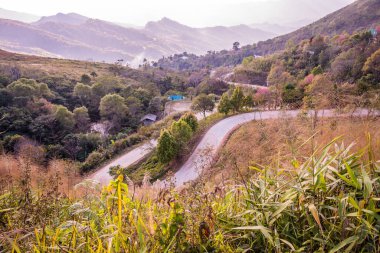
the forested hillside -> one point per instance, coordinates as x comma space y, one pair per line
68, 109
360, 15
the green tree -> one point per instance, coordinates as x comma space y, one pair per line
83, 92
235, 46
181, 132
166, 147
237, 99
28, 88
82, 120
64, 117
86, 79
134, 105
292, 95
112, 107
224, 104
372, 65
248, 101
203, 103
106, 85
277, 79
191, 120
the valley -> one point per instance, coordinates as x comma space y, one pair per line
186, 138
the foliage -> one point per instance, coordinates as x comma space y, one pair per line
191, 120
167, 147
181, 132
328, 203
64, 117
29, 87
237, 99
203, 103
112, 107
82, 120
224, 105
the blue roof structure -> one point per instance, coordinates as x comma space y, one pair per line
176, 97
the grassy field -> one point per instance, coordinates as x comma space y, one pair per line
278, 142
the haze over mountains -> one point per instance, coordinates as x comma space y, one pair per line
78, 37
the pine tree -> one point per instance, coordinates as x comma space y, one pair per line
167, 147
237, 99
224, 104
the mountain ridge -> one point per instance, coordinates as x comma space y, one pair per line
105, 41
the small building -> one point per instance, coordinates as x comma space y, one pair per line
176, 97
148, 119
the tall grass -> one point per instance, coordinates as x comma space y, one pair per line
330, 203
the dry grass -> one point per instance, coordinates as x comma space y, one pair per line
278, 142
60, 172
53, 66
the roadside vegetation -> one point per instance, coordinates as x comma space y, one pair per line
328, 203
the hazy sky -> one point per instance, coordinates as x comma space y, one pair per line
190, 12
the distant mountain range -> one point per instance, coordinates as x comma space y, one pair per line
19, 16
358, 16
77, 37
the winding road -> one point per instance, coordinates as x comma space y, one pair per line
102, 175
205, 152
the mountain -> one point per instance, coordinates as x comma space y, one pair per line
78, 37
360, 15
275, 28
19, 16
60, 18
201, 40
21, 37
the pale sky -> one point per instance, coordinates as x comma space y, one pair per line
197, 13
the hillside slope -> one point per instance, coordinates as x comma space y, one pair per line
362, 14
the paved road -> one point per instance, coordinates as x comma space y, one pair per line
102, 175
133, 156
209, 146
205, 152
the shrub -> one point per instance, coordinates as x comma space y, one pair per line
92, 161
11, 142
191, 120
167, 147
329, 203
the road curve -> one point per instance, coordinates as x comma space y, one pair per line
205, 152
102, 175
133, 156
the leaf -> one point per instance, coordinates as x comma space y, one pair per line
344, 243
315, 214
368, 188
263, 230
281, 208
353, 177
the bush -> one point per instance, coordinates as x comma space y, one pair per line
92, 161
191, 120
11, 142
